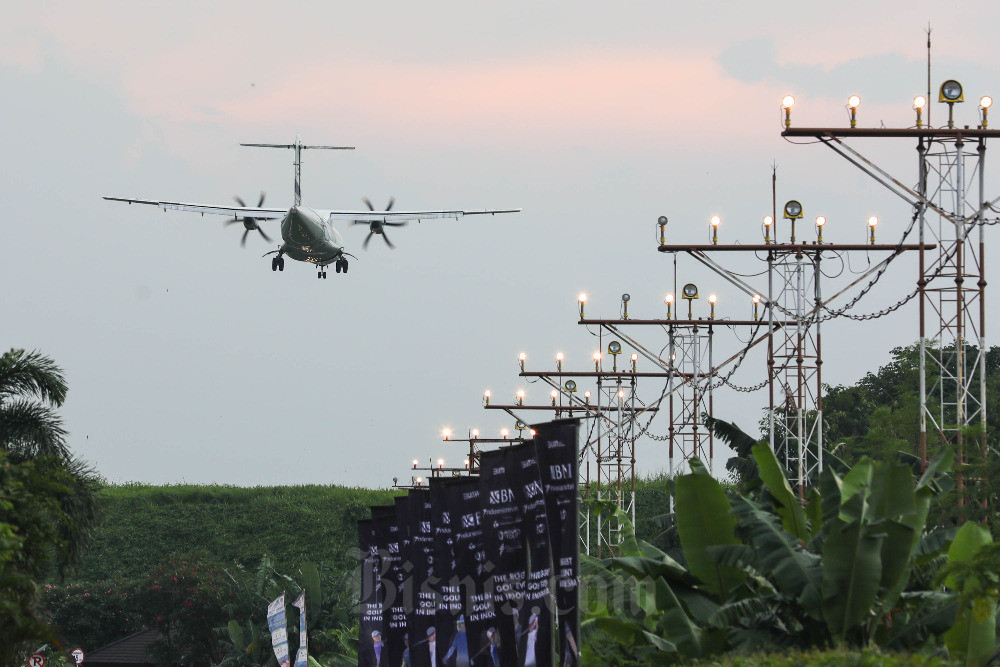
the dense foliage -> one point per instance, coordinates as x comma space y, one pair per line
141, 524
853, 566
46, 497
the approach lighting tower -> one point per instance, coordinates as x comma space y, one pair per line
949, 205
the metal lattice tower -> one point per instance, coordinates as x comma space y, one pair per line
952, 292
795, 421
949, 203
689, 392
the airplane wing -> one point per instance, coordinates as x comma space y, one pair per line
235, 211
399, 216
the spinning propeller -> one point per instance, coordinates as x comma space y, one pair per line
378, 226
249, 223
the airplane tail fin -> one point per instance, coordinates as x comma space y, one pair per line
297, 147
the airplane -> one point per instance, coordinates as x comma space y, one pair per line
308, 234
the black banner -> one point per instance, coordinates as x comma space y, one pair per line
421, 620
392, 577
535, 636
407, 595
371, 599
441, 575
469, 645
517, 539
558, 456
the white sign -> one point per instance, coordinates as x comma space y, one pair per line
279, 634
77, 654
36, 660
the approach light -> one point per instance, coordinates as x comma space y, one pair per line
520, 397
820, 221
985, 102
503, 433
662, 222
690, 292
715, 229
521, 357
756, 303
419, 481
586, 396
466, 463
621, 394
872, 223
570, 386
415, 463
614, 347
582, 298
440, 463
711, 301
559, 360
951, 92
554, 394
793, 211
669, 300
635, 358
446, 433
486, 396
597, 362
625, 300
475, 433
532, 432
768, 223
520, 425
852, 103
787, 102
919, 102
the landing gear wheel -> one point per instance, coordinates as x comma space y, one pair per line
345, 266
324, 275
274, 263
281, 263
337, 266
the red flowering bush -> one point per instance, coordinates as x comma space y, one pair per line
91, 615
184, 598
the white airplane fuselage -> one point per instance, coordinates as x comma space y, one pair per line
307, 237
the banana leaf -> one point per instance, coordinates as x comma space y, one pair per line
704, 519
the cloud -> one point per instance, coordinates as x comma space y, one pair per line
880, 78
755, 61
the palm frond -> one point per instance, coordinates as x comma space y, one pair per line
32, 373
731, 434
29, 430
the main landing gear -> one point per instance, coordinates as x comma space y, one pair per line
278, 263
340, 266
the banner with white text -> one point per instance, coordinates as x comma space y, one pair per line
279, 630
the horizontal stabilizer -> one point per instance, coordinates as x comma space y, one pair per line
333, 148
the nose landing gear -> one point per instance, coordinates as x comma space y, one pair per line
278, 263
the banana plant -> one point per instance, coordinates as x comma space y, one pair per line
847, 568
